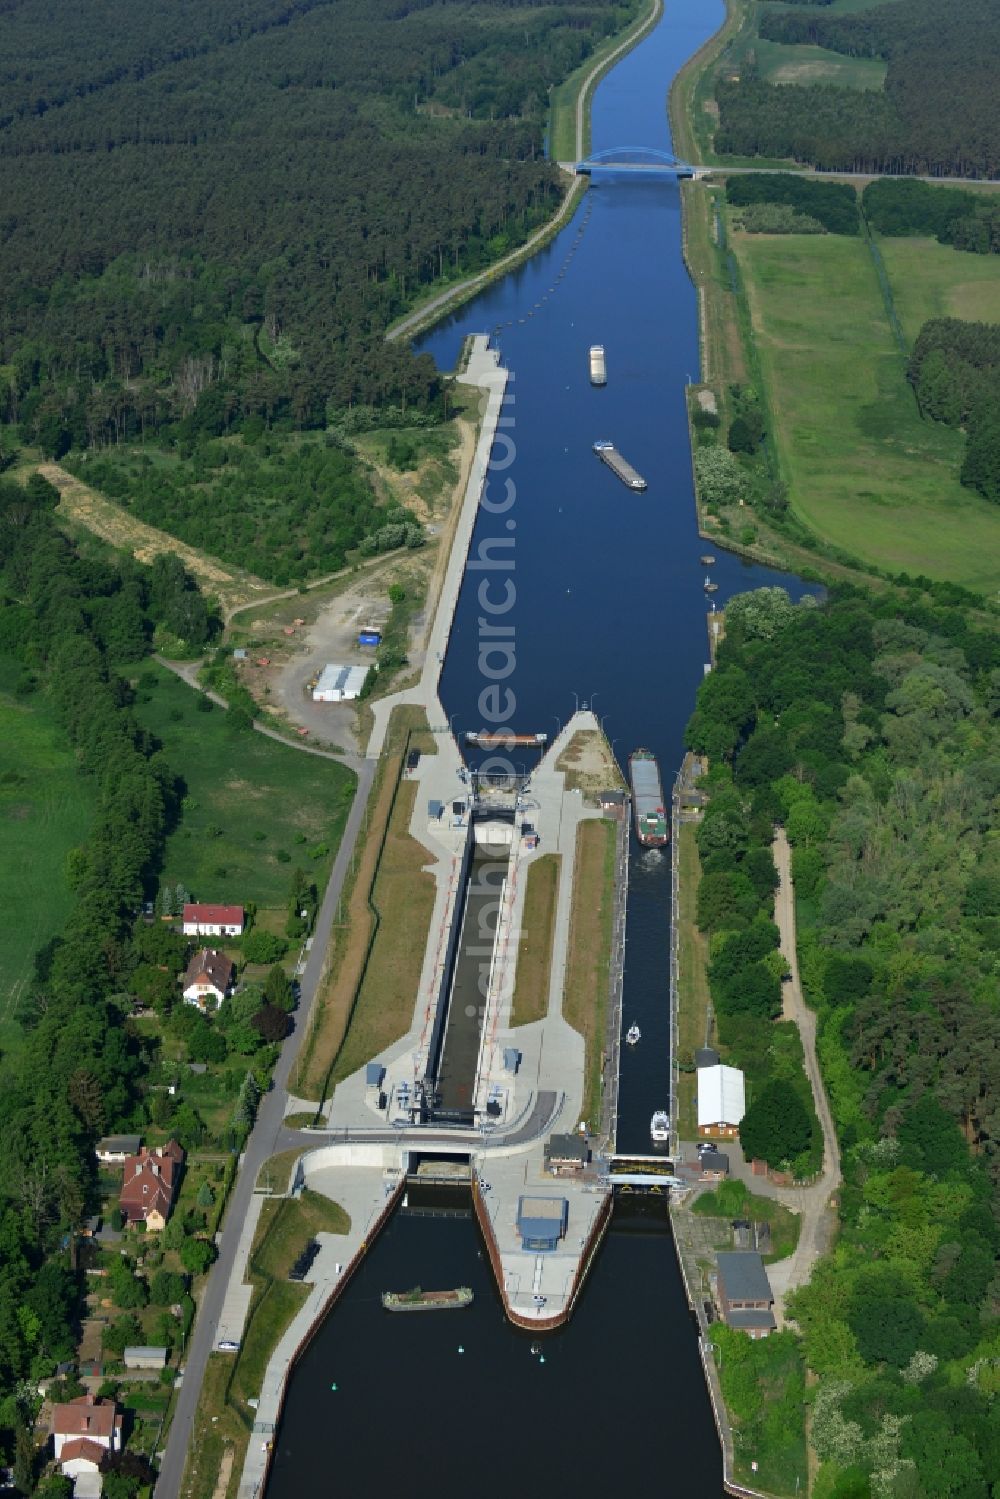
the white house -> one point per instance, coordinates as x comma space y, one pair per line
212, 921
339, 684
208, 978
721, 1100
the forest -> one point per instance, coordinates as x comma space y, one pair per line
209, 219
284, 510
955, 372
868, 727
936, 115
833, 206
966, 220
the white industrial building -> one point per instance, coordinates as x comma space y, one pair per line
721, 1100
339, 684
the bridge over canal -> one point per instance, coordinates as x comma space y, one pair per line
646, 159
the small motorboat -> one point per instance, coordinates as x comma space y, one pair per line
633, 1035
659, 1127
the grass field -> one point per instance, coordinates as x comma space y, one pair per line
534, 950
403, 896
45, 810
932, 280
286, 1227
692, 984
780, 63
865, 473
731, 1199
350, 1024
585, 995
252, 808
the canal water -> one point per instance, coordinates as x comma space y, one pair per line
610, 609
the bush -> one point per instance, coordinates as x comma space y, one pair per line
263, 947
197, 1255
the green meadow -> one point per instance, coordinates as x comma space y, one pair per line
252, 809
865, 472
781, 63
932, 280
45, 810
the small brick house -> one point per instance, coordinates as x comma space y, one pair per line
744, 1292
208, 978
150, 1185
212, 921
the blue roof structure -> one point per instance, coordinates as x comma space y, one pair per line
541, 1221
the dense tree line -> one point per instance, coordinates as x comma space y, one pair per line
832, 204
869, 727
69, 619
966, 220
936, 115
736, 906
955, 371
209, 219
282, 509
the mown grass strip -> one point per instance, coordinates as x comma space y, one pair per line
585, 997
534, 949
350, 1015
692, 985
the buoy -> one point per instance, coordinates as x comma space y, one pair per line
333, 1387
542, 1359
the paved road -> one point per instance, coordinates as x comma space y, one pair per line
261, 1144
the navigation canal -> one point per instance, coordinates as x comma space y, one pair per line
610, 609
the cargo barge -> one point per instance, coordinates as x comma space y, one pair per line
502, 739
426, 1301
610, 455
598, 365
651, 827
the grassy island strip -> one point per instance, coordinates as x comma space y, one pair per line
534, 948
585, 996
373, 969
225, 1419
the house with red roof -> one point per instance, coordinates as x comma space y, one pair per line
83, 1430
150, 1185
208, 978
212, 921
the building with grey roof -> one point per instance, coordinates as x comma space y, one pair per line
744, 1292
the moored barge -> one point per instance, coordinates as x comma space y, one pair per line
651, 827
598, 365
426, 1301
